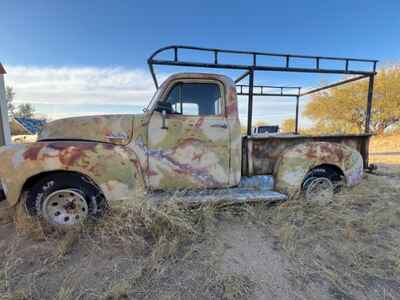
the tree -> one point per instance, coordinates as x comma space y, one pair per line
10, 94
342, 109
289, 125
25, 110
260, 123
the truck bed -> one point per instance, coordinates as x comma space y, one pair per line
260, 153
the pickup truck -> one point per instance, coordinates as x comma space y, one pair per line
188, 139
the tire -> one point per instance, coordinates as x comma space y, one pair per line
322, 179
65, 199
333, 176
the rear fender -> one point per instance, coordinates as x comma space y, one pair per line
298, 160
115, 169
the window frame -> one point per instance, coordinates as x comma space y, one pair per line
220, 85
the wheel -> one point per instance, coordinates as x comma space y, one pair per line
320, 185
65, 199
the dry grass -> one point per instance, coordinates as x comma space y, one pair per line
350, 248
385, 143
352, 244
389, 143
137, 251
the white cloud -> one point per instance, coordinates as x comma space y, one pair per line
80, 85
60, 92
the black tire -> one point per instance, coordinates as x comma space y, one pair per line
54, 182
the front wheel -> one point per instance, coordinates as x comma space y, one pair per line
65, 199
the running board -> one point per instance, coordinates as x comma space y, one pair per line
228, 196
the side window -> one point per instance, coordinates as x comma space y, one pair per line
195, 99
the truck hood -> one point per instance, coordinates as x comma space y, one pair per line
116, 129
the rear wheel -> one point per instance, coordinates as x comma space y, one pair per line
65, 199
320, 185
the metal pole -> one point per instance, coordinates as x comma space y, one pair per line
296, 131
242, 76
369, 103
250, 104
5, 135
333, 85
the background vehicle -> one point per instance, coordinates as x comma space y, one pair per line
266, 129
189, 138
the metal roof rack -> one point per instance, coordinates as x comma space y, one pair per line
287, 64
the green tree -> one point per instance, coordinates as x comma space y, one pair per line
25, 110
342, 109
10, 94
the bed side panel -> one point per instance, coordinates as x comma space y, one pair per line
263, 152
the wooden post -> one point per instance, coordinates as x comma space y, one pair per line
5, 135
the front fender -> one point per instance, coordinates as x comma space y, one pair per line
298, 160
113, 168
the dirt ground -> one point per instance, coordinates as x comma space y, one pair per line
346, 249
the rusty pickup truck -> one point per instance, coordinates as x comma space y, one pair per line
188, 139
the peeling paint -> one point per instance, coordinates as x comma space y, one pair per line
128, 154
295, 162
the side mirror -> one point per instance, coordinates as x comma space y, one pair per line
164, 106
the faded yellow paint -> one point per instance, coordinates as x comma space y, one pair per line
116, 129
124, 154
127, 154
105, 164
295, 162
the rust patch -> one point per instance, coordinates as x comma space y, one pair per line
199, 122
32, 153
108, 146
231, 109
71, 152
71, 155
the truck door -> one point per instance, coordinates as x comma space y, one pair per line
188, 147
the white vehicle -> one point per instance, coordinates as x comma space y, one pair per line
266, 130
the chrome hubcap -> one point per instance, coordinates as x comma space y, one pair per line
65, 207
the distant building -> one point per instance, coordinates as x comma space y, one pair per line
26, 126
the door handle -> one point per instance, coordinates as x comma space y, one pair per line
219, 125
120, 136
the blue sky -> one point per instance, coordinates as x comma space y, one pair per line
77, 57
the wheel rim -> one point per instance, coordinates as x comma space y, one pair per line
65, 207
320, 190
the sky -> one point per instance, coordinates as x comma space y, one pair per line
89, 57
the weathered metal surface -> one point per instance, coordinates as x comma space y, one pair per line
263, 152
128, 154
294, 163
116, 129
225, 196
114, 168
262, 182
195, 151
124, 154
